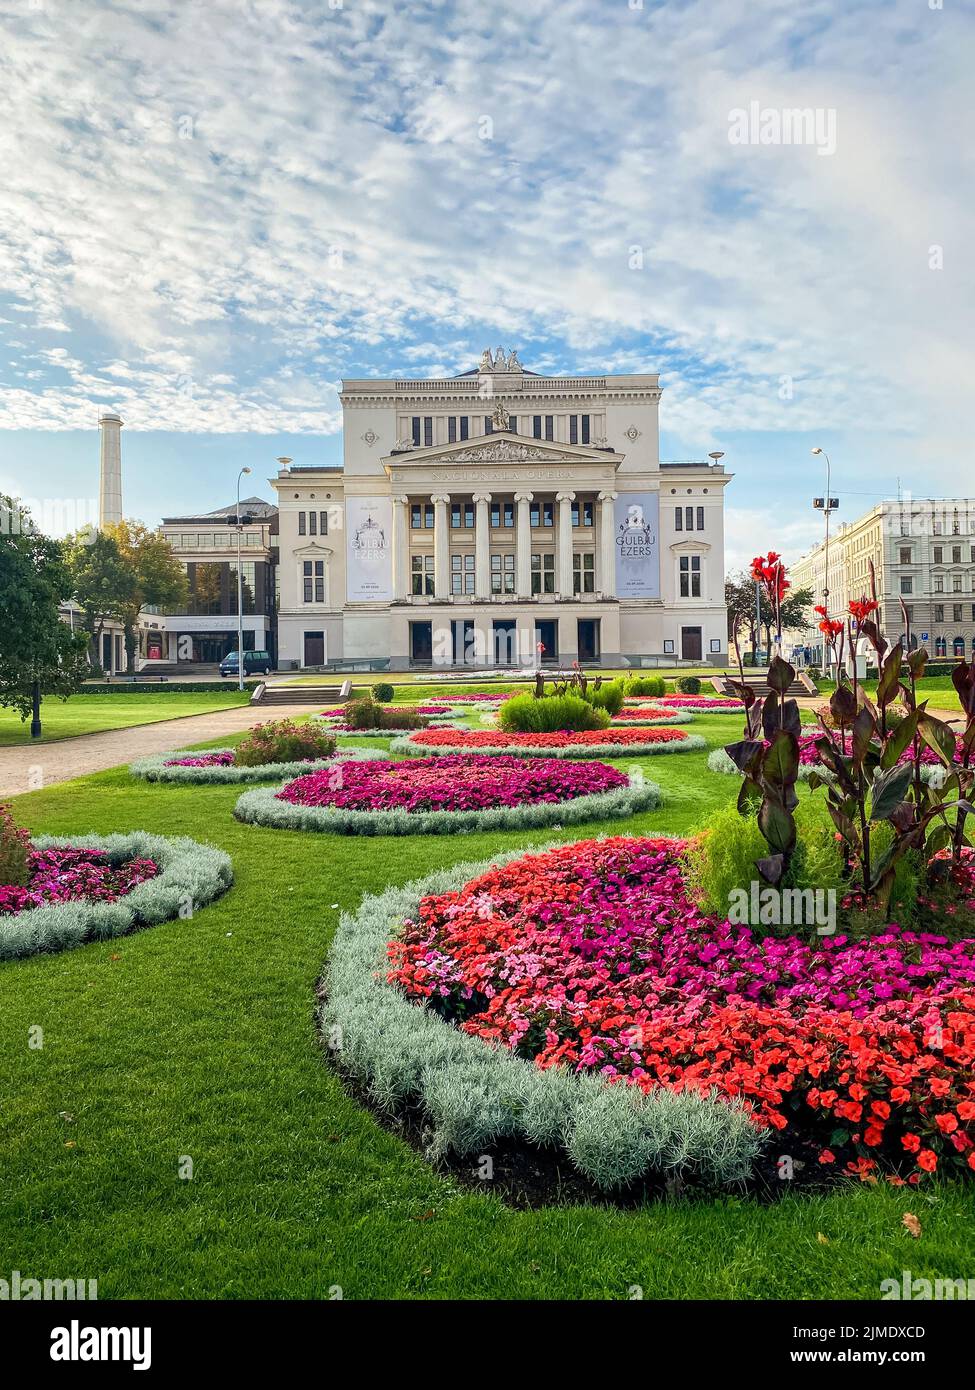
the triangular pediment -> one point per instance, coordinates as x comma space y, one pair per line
502, 447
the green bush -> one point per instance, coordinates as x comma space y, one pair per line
283, 742
383, 692
689, 685
646, 685
724, 859
608, 697
525, 714
14, 848
365, 713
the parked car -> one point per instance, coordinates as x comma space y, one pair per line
254, 663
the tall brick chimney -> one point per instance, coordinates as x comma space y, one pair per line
110, 479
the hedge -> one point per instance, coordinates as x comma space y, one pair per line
474, 1095
167, 687
578, 750
191, 875
154, 769
263, 808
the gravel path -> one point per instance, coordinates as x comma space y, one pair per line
31, 767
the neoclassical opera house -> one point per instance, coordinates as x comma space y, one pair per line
498, 517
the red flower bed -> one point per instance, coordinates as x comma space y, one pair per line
592, 956
497, 738
70, 875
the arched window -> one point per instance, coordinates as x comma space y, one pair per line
940, 647
958, 646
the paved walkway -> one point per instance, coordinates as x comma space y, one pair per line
31, 766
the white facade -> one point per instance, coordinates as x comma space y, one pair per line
923, 554
498, 515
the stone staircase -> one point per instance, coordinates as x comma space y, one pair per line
802, 687
302, 694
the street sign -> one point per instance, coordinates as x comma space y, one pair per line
924, 636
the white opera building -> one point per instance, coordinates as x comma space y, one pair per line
497, 518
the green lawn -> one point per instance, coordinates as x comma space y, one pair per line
92, 714
197, 1038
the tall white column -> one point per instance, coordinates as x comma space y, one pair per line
110, 480
565, 500
441, 546
523, 544
482, 545
401, 547
607, 544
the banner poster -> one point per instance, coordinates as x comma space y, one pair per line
369, 539
637, 518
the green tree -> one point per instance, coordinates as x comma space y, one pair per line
104, 583
39, 654
160, 580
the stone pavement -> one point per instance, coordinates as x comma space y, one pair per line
28, 767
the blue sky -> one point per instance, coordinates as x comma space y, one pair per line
214, 213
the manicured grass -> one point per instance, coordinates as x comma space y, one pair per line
91, 714
937, 690
196, 1038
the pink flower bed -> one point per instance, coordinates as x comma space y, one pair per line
452, 784
643, 712
497, 738
204, 760
72, 875
716, 702
593, 956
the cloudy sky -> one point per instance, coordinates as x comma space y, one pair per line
213, 211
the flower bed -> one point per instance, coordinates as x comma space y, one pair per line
649, 715
592, 957
717, 704
90, 887
809, 761
442, 796
473, 1096
216, 765
588, 743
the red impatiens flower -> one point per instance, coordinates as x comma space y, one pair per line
928, 1160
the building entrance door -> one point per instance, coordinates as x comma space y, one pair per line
421, 643
505, 642
691, 647
314, 649
547, 636
588, 639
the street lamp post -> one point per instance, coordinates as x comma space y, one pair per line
240, 593
826, 505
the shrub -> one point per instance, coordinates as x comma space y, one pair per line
524, 714
14, 849
608, 697
366, 713
283, 742
723, 858
383, 693
646, 685
688, 685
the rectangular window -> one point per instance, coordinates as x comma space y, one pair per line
452, 429
468, 516
495, 513
905, 557
939, 555
322, 523
416, 431
427, 431
688, 518
313, 581
700, 518
312, 524
508, 513
488, 425
502, 572
690, 576
585, 429
513, 423
549, 426
582, 513
939, 584
302, 523
462, 574
465, 427
536, 426
573, 429
679, 519
956, 554
421, 572
584, 572
548, 513
956, 612
455, 515
543, 574
907, 584
939, 612
956, 584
